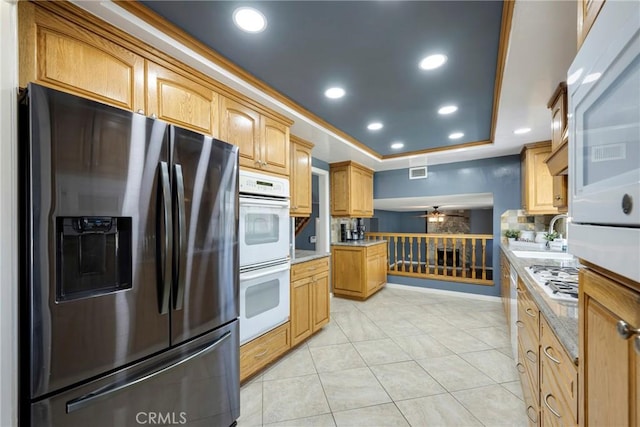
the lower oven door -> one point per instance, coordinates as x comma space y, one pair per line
264, 300
263, 231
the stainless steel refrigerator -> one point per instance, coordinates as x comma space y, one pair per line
129, 269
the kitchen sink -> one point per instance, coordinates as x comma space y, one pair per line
542, 255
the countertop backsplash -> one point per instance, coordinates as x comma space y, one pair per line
517, 219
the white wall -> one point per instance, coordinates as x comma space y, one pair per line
8, 214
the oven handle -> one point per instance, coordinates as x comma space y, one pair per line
250, 275
246, 201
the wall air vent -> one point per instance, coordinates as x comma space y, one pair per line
603, 153
418, 173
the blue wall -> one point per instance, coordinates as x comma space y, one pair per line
302, 239
481, 221
400, 222
320, 164
499, 175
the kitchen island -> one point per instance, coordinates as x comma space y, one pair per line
359, 268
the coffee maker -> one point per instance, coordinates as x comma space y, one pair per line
359, 229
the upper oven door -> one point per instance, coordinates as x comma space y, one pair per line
604, 120
263, 230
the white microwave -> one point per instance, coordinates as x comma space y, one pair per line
603, 87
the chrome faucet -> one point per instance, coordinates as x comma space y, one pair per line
553, 222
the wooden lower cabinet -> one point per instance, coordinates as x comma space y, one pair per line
609, 358
548, 375
309, 298
558, 381
359, 271
505, 287
258, 353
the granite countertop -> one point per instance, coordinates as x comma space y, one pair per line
302, 255
358, 243
561, 315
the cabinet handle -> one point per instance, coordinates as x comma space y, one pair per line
259, 355
520, 323
519, 289
530, 312
520, 367
535, 356
546, 352
549, 406
533, 419
625, 330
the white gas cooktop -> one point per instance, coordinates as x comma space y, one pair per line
559, 283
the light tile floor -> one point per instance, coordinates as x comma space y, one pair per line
400, 358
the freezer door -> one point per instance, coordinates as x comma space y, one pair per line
196, 384
205, 196
96, 182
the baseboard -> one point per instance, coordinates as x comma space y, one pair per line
443, 292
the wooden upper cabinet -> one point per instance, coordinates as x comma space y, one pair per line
176, 99
59, 54
300, 177
558, 159
537, 183
587, 13
263, 141
241, 126
609, 368
275, 146
351, 190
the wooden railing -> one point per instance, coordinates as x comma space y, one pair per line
454, 257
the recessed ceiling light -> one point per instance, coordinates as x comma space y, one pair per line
433, 61
397, 145
334, 92
456, 135
521, 131
448, 109
249, 19
375, 126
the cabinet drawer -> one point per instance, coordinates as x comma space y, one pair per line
556, 410
529, 394
309, 268
380, 249
558, 368
256, 354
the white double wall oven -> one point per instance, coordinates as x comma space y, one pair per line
264, 236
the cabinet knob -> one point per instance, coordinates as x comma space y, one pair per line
153, 116
264, 164
625, 330
558, 197
140, 111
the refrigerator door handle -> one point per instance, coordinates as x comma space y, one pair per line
181, 230
164, 251
107, 391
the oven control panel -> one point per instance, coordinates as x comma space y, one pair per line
264, 185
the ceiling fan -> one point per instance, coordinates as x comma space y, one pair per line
437, 216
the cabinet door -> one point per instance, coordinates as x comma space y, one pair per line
367, 191
301, 320
537, 183
587, 12
300, 179
181, 101
320, 307
59, 54
609, 364
241, 126
373, 272
560, 199
340, 192
275, 146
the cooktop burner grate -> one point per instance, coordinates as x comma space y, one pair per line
560, 283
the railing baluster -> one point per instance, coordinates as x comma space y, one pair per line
404, 256
484, 263
419, 255
395, 252
463, 271
473, 257
411, 253
444, 261
454, 261
435, 251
